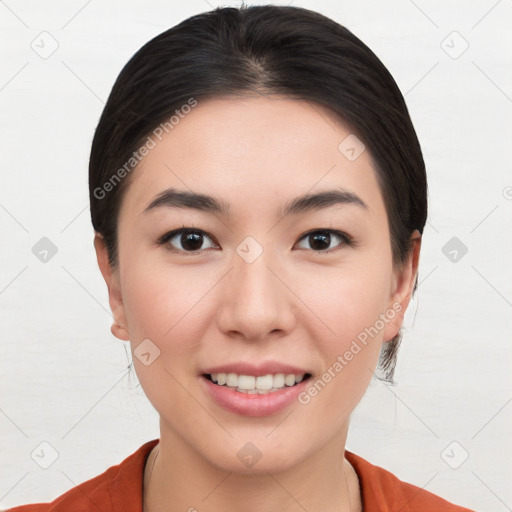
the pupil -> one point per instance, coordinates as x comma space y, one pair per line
192, 240
324, 236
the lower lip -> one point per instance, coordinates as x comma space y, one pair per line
252, 404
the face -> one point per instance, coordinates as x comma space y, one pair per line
256, 288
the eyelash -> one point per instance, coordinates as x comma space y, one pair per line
346, 239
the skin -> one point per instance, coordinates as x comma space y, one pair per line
294, 304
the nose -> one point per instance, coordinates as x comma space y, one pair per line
256, 300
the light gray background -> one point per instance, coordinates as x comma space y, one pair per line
64, 377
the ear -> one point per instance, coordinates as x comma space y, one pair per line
402, 287
119, 329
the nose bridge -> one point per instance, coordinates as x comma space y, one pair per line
253, 279
256, 302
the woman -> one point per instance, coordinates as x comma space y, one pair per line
258, 195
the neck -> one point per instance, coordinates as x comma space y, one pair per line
325, 482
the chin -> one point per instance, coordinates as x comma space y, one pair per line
253, 455
267, 463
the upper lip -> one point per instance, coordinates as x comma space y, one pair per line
246, 368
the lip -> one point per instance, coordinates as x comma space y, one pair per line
246, 368
252, 404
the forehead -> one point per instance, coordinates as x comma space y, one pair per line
254, 151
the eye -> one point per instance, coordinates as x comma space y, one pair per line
190, 240
184, 240
321, 239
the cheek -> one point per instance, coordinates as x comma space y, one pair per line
168, 308
345, 301
166, 304
349, 303
349, 354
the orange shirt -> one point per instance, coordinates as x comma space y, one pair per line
119, 489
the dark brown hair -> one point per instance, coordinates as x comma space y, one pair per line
268, 49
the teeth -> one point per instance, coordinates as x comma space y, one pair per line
246, 382
232, 379
264, 382
278, 380
220, 378
289, 380
256, 385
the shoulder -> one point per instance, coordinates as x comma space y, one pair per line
383, 492
117, 488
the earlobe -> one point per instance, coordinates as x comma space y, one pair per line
119, 331
403, 285
111, 277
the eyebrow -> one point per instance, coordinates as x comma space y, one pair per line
173, 198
